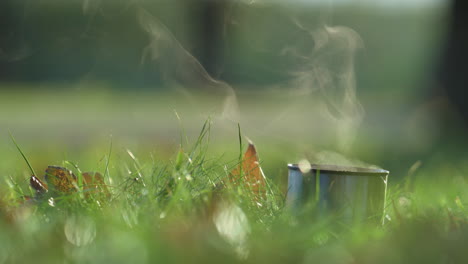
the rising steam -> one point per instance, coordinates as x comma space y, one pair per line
181, 69
324, 70
328, 71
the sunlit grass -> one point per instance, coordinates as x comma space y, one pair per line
176, 211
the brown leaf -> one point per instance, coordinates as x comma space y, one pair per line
250, 170
93, 182
60, 180
38, 185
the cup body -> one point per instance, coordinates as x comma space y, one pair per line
353, 194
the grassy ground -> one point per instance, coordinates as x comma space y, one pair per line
164, 206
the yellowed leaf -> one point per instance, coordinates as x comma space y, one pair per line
60, 180
249, 172
93, 182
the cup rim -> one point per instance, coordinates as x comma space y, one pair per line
343, 170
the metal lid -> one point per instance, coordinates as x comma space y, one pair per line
345, 170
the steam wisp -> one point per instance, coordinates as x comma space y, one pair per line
328, 72
180, 68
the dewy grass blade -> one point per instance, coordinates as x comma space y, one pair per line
106, 171
240, 148
182, 130
14, 185
137, 167
22, 154
79, 176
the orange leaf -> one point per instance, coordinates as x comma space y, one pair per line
94, 182
60, 179
250, 170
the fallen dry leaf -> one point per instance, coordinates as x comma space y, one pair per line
38, 185
249, 172
62, 181
93, 182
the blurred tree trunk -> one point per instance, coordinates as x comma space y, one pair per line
454, 71
212, 35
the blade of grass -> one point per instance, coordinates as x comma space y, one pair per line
15, 186
79, 177
181, 127
22, 154
240, 149
108, 159
137, 167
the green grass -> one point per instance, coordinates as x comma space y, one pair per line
170, 211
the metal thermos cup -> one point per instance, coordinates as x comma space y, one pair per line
351, 193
